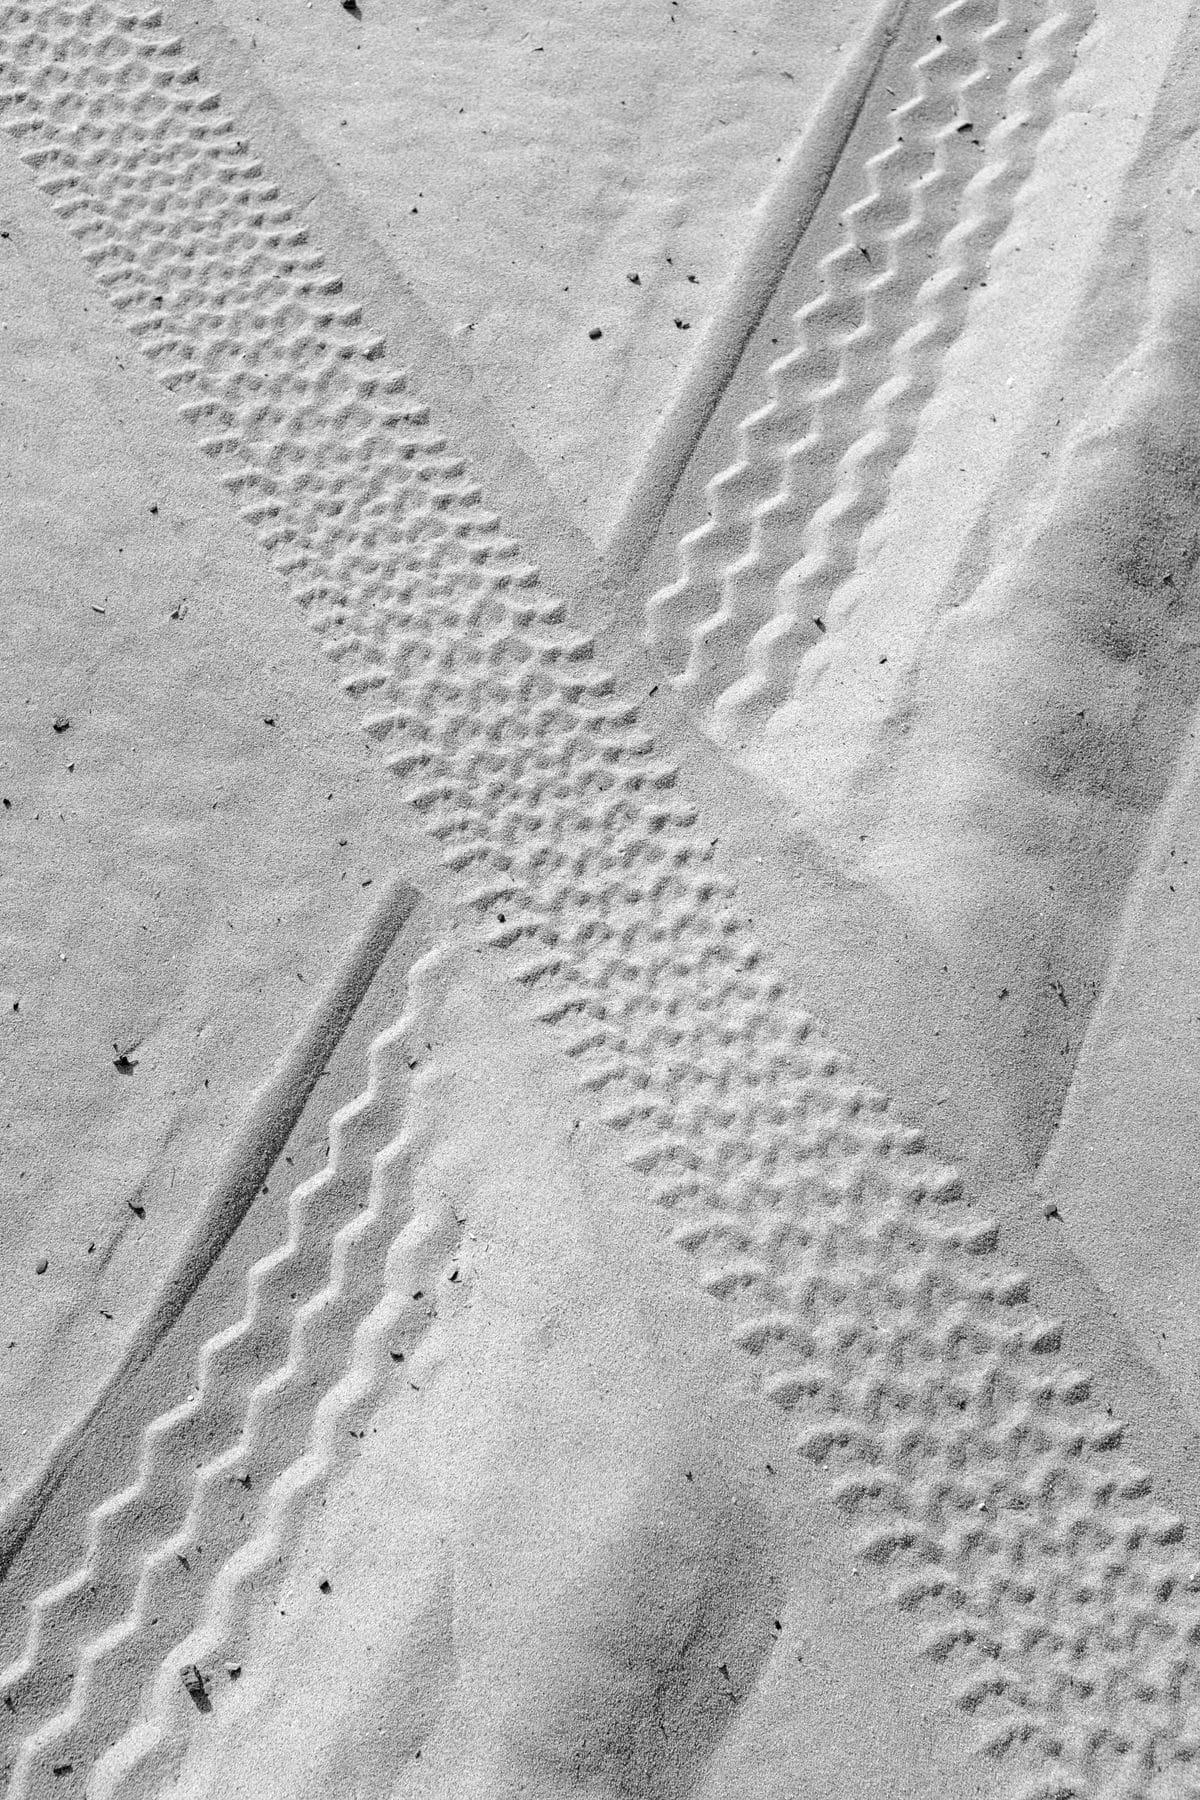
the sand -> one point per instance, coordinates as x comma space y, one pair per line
600, 881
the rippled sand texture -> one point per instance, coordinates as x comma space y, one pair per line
654, 1308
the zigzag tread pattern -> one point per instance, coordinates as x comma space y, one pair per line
758, 583
964, 1448
150, 1753
212, 1466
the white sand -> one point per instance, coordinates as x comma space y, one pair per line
571, 1512
175, 865
466, 1330
519, 163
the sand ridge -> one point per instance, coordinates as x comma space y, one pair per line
931, 1392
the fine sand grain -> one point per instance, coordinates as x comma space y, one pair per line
601, 841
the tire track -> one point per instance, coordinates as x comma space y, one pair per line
208, 1467
850, 316
150, 1753
815, 463
806, 586
256, 1148
961, 1444
784, 214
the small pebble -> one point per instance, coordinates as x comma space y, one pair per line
193, 1682
62, 724
41, 1265
595, 332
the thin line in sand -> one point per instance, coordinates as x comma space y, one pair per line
784, 215
256, 1148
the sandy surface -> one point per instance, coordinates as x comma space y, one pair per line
625, 1229
521, 163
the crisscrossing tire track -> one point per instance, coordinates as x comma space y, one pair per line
959, 1442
